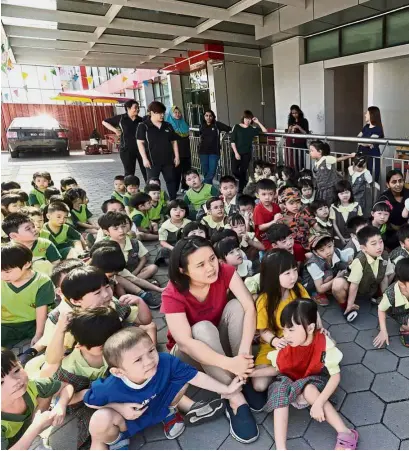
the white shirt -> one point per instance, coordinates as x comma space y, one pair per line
316, 273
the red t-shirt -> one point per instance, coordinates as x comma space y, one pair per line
299, 253
173, 301
262, 216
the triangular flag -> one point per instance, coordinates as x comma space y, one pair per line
3, 49
53, 71
9, 64
24, 75
89, 79
75, 77
16, 92
6, 96
25, 88
124, 79
45, 77
3, 68
135, 84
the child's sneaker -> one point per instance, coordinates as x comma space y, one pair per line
201, 412
173, 424
320, 299
152, 300
122, 442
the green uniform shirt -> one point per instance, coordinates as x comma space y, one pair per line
45, 249
118, 196
36, 197
156, 213
13, 426
19, 303
163, 197
64, 238
198, 198
140, 219
81, 215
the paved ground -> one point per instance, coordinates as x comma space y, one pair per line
374, 392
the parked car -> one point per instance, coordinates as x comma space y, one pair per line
28, 134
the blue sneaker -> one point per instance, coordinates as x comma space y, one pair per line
153, 301
255, 399
243, 426
122, 442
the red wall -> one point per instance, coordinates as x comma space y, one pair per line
77, 119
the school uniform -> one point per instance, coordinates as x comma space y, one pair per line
326, 176
212, 225
396, 304
63, 240
81, 215
360, 182
133, 251
118, 196
195, 199
36, 197
397, 254
155, 213
322, 227
141, 219
168, 232
353, 244
340, 215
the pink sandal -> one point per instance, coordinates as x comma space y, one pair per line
347, 441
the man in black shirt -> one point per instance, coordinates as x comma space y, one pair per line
127, 124
157, 143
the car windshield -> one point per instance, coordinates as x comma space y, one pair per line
46, 122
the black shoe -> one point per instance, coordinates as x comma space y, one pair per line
255, 399
201, 411
153, 300
243, 426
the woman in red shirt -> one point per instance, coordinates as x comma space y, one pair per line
205, 329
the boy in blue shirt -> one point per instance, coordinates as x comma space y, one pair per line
145, 388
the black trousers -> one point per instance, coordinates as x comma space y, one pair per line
240, 168
184, 166
169, 174
128, 158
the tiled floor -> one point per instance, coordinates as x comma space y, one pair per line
374, 392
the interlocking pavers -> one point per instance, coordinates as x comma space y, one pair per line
265, 441
376, 436
391, 386
163, 444
396, 418
364, 321
404, 444
352, 353
343, 333
211, 436
395, 345
363, 408
356, 378
322, 435
403, 367
380, 361
334, 316
365, 338
297, 424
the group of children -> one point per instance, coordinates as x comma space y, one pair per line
81, 291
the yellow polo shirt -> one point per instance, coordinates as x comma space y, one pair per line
128, 247
400, 300
357, 273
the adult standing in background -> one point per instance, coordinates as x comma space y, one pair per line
372, 129
158, 146
242, 144
124, 126
181, 127
209, 147
297, 123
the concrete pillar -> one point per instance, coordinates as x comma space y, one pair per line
218, 91
175, 91
287, 57
148, 93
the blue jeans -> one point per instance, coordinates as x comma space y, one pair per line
209, 166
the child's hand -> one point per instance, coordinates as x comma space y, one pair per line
42, 420
129, 299
277, 217
325, 332
154, 227
59, 414
381, 339
342, 273
317, 412
350, 308
131, 410
35, 339
279, 343
234, 387
63, 321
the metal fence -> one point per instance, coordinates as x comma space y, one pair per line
281, 153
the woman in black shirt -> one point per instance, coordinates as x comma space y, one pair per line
125, 126
297, 123
209, 147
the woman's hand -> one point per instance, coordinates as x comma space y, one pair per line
255, 120
176, 161
237, 156
241, 365
117, 132
146, 163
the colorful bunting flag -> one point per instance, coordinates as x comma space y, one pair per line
124, 79
135, 84
4, 68
9, 64
89, 79
6, 96
3, 49
75, 77
25, 88
24, 75
53, 71
45, 77
15, 92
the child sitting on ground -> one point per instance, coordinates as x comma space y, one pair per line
325, 266
402, 251
66, 239
354, 225
306, 187
36, 217
170, 229
107, 256
228, 250
49, 193
159, 385
194, 228
80, 214
343, 209
7, 186
156, 212
68, 183
114, 226
214, 220
395, 302
132, 184
289, 200
142, 203
380, 214
26, 296
119, 188
25, 405
281, 237
163, 194
319, 209
266, 212
257, 174
11, 203
249, 244
20, 229
90, 328
285, 176
246, 208
228, 191
370, 272
302, 381
198, 193
41, 181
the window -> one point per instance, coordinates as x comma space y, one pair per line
161, 91
362, 37
397, 28
323, 46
